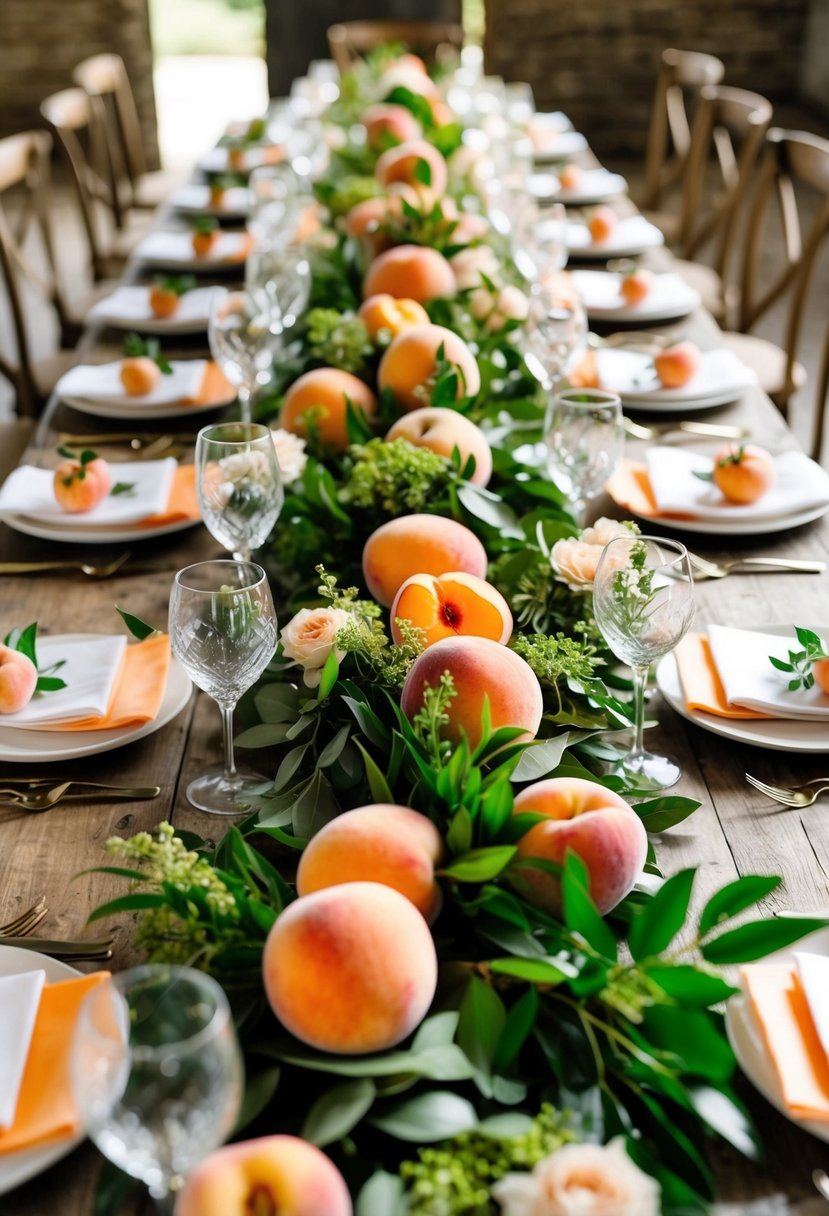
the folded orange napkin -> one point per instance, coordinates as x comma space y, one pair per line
182, 503
781, 1012
701, 685
138, 692
45, 1108
215, 389
629, 486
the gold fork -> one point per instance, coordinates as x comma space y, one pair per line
707, 429
704, 568
91, 571
20, 925
792, 795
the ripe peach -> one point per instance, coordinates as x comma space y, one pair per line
139, 375
203, 242
335, 973
480, 668
442, 114
410, 272
364, 217
602, 224
80, 487
164, 302
569, 177
634, 287
18, 677
271, 1176
317, 403
820, 670
384, 314
236, 158
596, 824
451, 605
676, 365
410, 62
404, 75
387, 124
443, 430
743, 472
418, 544
415, 162
409, 366
382, 843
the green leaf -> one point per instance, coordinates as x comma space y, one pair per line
490, 509
690, 986
288, 767
260, 1086
123, 489
49, 684
479, 865
338, 1110
537, 971
482, 1020
735, 898
580, 913
694, 1037
138, 628
277, 703
333, 748
26, 642
126, 903
115, 1190
722, 1111
382, 1195
377, 783
759, 938
428, 1117
510, 1126
459, 835
518, 1027
328, 678
436, 1031
266, 734
660, 814
315, 806
657, 923
539, 759
442, 1062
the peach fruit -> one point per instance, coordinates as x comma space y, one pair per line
164, 301
387, 124
80, 486
676, 365
442, 430
203, 242
451, 605
404, 75
480, 668
350, 969
410, 364
743, 473
18, 677
569, 177
410, 272
418, 544
594, 823
415, 162
634, 287
392, 845
383, 314
317, 403
602, 224
271, 1176
364, 217
139, 375
820, 670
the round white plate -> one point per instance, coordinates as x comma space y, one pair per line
721, 377
194, 199
746, 527
595, 186
93, 536
16, 1168
192, 316
559, 145
685, 405
108, 409
632, 235
43, 746
669, 298
776, 734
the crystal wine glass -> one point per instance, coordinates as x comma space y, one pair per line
243, 341
276, 202
223, 631
278, 276
555, 334
157, 1073
238, 484
643, 599
584, 434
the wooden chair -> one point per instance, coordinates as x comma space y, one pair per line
792, 160
682, 74
821, 404
350, 41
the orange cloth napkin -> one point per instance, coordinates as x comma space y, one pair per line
629, 486
138, 692
701, 685
781, 1013
216, 389
182, 503
45, 1108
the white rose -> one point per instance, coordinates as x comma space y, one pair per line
290, 454
309, 639
581, 1180
470, 264
481, 303
510, 305
603, 531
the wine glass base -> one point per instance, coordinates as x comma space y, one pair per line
217, 794
647, 772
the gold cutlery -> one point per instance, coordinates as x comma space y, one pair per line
705, 568
792, 795
94, 948
26, 921
706, 429
138, 442
44, 800
34, 782
91, 571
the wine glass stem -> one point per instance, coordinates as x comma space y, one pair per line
578, 509
227, 733
245, 397
241, 555
640, 679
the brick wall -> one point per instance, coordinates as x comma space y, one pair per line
597, 59
41, 41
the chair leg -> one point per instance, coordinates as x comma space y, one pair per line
821, 403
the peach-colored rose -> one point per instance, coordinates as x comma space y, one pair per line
604, 530
470, 264
290, 454
497, 308
575, 559
310, 638
581, 1180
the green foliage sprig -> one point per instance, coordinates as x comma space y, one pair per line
24, 641
801, 662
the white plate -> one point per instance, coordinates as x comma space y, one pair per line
108, 409
750, 1051
754, 527
560, 145
632, 235
669, 298
16, 1168
216, 160
93, 536
192, 316
594, 186
194, 199
166, 250
776, 734
41, 746
720, 378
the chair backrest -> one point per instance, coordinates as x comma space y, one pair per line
792, 160
350, 41
104, 77
728, 131
681, 76
821, 403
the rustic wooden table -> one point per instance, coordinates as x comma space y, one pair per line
735, 831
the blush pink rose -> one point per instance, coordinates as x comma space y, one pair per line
581, 1180
310, 638
575, 558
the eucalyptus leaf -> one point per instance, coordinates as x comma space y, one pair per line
377, 783
734, 898
759, 938
336, 1112
540, 758
382, 1195
427, 1118
657, 923
261, 1084
580, 913
266, 734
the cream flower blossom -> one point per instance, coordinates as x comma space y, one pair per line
309, 638
497, 308
575, 559
470, 264
290, 454
581, 1180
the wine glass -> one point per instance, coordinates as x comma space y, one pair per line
643, 600
584, 434
278, 275
555, 333
157, 1073
276, 202
243, 341
543, 253
238, 484
223, 631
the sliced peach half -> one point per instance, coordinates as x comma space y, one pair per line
451, 605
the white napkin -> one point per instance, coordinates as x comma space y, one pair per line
19, 1001
748, 678
130, 307
90, 669
632, 232
593, 184
813, 971
176, 249
631, 373
29, 491
599, 292
102, 382
196, 198
800, 485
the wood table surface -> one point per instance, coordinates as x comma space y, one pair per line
736, 830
